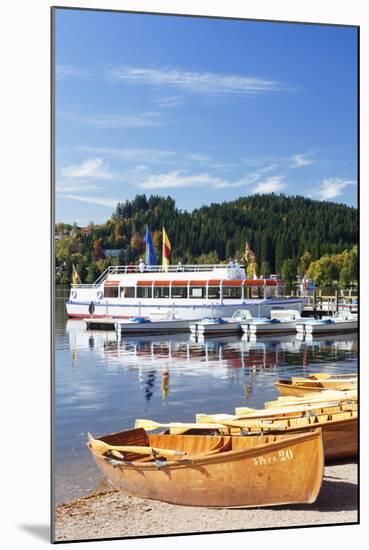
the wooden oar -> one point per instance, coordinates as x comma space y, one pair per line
175, 427
100, 447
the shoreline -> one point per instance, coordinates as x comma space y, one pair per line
108, 513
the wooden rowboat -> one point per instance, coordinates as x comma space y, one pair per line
338, 422
295, 409
310, 399
339, 429
302, 386
214, 471
327, 381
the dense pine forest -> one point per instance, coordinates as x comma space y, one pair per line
289, 235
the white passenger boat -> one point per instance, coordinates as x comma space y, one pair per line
280, 322
211, 326
341, 322
185, 291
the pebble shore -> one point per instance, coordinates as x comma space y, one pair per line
107, 513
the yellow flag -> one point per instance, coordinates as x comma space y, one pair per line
75, 277
166, 251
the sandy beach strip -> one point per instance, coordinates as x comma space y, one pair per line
108, 513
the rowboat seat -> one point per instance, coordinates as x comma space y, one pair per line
191, 445
131, 437
194, 445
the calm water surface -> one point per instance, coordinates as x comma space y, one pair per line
103, 384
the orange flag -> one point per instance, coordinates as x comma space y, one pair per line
166, 251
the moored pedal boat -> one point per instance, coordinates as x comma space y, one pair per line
145, 325
341, 322
214, 471
214, 326
280, 322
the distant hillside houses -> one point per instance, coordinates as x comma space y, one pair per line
112, 252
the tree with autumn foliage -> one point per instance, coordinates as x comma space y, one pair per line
98, 250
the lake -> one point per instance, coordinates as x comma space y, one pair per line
104, 383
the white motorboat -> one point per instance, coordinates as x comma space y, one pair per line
341, 322
280, 322
217, 325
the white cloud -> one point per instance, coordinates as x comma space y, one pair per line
176, 179
301, 159
100, 201
169, 102
89, 169
115, 121
193, 82
146, 155
270, 185
332, 187
65, 72
66, 187
140, 120
200, 158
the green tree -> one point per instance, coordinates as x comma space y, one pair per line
288, 273
265, 269
92, 273
304, 263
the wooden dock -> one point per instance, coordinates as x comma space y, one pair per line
329, 305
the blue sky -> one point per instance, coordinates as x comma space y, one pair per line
203, 110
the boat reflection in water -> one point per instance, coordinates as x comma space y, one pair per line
217, 355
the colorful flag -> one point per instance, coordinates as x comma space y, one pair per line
150, 257
304, 283
75, 277
166, 251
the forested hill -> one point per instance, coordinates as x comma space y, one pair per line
277, 228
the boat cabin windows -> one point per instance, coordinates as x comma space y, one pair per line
213, 292
271, 291
257, 292
161, 292
232, 293
111, 291
253, 292
179, 292
144, 291
197, 292
127, 292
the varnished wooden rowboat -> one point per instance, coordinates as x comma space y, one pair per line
338, 422
214, 471
309, 399
298, 386
338, 425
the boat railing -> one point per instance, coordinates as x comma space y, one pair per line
123, 269
178, 268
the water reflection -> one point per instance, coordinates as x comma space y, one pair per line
226, 352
